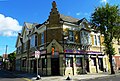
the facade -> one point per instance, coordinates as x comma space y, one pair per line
66, 45
116, 59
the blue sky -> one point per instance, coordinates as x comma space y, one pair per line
13, 14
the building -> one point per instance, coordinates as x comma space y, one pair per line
116, 59
66, 45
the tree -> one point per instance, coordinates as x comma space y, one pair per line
105, 19
12, 57
116, 31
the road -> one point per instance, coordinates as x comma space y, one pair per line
7, 76
108, 78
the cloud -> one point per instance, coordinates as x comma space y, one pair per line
82, 14
9, 26
78, 13
104, 1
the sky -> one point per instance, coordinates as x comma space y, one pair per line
13, 14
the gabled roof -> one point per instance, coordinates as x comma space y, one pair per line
28, 25
69, 19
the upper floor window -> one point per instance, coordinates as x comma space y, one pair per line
42, 38
33, 41
36, 41
119, 50
98, 40
95, 40
71, 36
25, 46
85, 38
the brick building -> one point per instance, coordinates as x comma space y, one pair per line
66, 45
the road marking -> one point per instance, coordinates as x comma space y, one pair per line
27, 79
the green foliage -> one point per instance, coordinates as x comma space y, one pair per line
0, 56
106, 18
12, 57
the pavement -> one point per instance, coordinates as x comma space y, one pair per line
82, 77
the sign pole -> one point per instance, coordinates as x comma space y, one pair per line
37, 67
37, 55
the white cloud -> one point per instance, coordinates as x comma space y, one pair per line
82, 14
78, 13
104, 1
9, 26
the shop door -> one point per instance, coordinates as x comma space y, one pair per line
100, 63
87, 65
55, 66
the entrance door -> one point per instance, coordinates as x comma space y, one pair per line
55, 69
35, 66
100, 63
87, 65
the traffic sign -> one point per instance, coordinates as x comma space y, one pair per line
37, 54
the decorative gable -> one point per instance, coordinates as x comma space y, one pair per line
54, 18
57, 46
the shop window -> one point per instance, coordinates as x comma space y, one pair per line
93, 61
23, 63
69, 62
119, 50
31, 64
78, 62
44, 63
39, 63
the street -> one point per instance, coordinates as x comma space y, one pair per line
6, 76
108, 78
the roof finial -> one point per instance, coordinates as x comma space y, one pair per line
54, 4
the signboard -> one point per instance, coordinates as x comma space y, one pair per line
37, 54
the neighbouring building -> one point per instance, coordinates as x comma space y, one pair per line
116, 59
66, 45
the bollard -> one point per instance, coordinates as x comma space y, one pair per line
68, 78
38, 77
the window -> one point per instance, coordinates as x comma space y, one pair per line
78, 62
23, 63
98, 40
31, 63
36, 40
69, 62
32, 41
44, 63
95, 40
71, 36
42, 38
119, 50
25, 46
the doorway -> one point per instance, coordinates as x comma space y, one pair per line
55, 69
100, 63
87, 65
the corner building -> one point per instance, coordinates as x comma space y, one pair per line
66, 46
